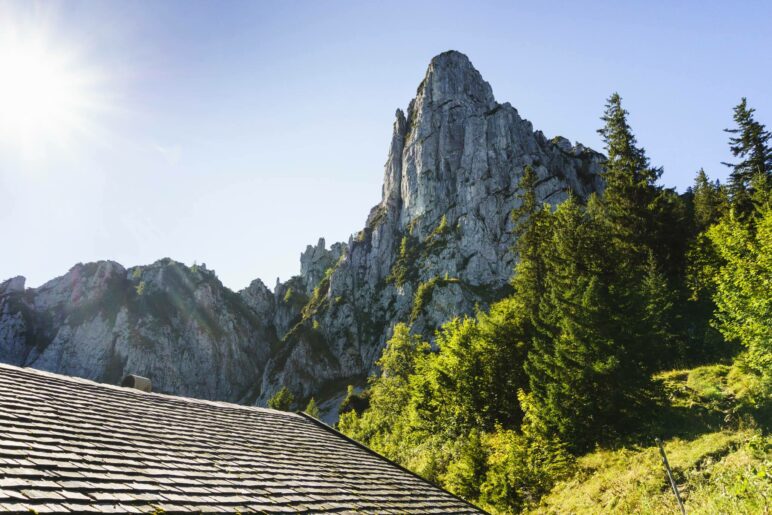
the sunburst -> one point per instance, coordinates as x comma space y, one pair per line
47, 97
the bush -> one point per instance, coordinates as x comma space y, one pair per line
282, 400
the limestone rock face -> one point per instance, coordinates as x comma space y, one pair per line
443, 224
438, 244
316, 260
176, 325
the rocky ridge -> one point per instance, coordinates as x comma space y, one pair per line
438, 244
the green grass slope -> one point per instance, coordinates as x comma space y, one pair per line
715, 439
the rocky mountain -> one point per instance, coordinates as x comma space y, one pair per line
438, 244
178, 325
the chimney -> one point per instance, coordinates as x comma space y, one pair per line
137, 382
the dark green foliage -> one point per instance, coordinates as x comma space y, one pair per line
710, 201
593, 352
629, 181
750, 143
710, 204
357, 402
605, 316
532, 227
282, 400
606, 295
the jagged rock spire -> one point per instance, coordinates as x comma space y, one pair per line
451, 76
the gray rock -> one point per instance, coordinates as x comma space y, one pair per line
177, 325
438, 244
13, 285
450, 185
317, 260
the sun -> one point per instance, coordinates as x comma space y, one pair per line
46, 96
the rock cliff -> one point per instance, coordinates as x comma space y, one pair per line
440, 241
438, 244
175, 324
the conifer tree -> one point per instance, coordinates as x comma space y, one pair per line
640, 214
750, 143
644, 220
585, 367
628, 178
607, 318
710, 201
531, 222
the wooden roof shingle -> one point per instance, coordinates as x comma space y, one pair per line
69, 445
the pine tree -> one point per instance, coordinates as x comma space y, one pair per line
607, 318
628, 178
749, 143
530, 226
710, 201
643, 220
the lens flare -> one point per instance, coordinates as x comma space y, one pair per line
47, 98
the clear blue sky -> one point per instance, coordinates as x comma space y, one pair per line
235, 133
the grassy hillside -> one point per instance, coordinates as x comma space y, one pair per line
721, 472
717, 470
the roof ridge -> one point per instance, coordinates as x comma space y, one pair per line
131, 391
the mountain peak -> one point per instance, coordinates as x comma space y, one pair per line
450, 76
451, 56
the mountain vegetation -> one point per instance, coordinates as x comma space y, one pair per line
518, 320
439, 244
636, 313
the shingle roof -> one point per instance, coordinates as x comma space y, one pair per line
71, 445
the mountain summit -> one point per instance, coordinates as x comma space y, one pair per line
451, 76
438, 244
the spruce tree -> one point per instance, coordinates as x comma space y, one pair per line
531, 222
607, 318
584, 368
710, 201
750, 143
629, 180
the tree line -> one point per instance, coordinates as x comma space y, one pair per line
607, 291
